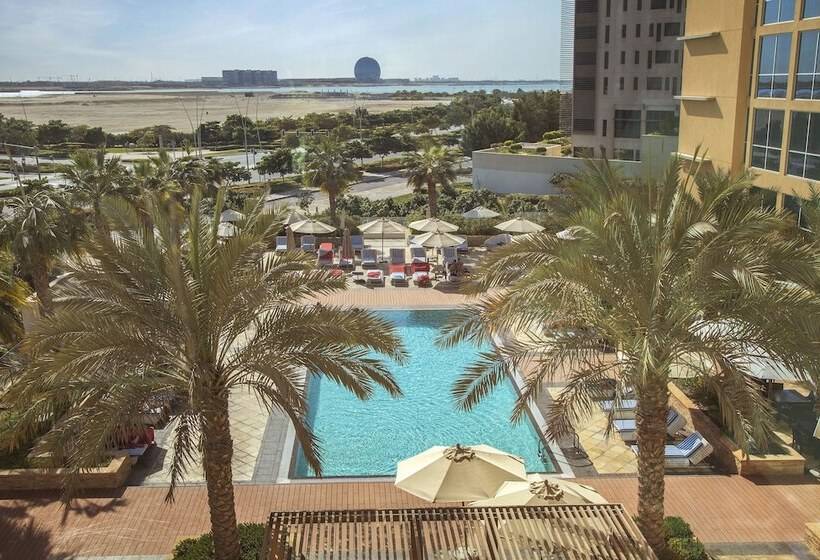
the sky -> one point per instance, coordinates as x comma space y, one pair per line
183, 39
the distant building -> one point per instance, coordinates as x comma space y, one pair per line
211, 80
367, 70
249, 78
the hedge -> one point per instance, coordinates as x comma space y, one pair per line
251, 540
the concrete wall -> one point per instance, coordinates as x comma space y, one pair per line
529, 174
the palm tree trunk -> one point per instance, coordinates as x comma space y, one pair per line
39, 280
331, 198
432, 200
651, 424
217, 455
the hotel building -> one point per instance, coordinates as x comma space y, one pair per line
750, 95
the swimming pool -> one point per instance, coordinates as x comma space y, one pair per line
368, 438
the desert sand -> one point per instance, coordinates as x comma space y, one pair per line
121, 112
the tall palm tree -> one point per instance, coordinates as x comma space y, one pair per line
328, 168
13, 297
673, 274
38, 227
431, 168
174, 310
91, 178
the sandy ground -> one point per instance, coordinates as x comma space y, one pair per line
121, 112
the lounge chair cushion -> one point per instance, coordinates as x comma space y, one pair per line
626, 404
374, 274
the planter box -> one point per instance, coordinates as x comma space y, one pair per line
112, 475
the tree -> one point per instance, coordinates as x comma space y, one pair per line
488, 127
53, 132
357, 149
383, 143
538, 112
13, 297
430, 169
17, 131
673, 274
91, 178
278, 161
329, 169
174, 310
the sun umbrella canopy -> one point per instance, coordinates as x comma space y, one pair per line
458, 474
226, 229
347, 244
542, 492
433, 225
231, 215
480, 212
519, 225
293, 217
382, 226
437, 240
312, 227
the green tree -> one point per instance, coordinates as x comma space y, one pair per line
175, 310
673, 275
17, 131
92, 178
53, 132
278, 161
329, 169
429, 170
538, 111
383, 143
357, 149
13, 297
488, 127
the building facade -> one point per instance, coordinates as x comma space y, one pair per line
626, 73
751, 92
250, 77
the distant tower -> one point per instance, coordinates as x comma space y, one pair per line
367, 70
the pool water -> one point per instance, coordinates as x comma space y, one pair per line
368, 438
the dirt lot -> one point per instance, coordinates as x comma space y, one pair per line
121, 112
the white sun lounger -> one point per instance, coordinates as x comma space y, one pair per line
624, 411
358, 243
449, 255
628, 429
691, 451
374, 277
309, 243
281, 243
369, 258
418, 254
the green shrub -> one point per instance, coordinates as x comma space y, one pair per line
541, 150
676, 528
251, 539
686, 549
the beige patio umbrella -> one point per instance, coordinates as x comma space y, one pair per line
347, 245
291, 238
544, 491
231, 215
437, 240
519, 225
458, 474
293, 217
433, 225
380, 227
226, 229
312, 227
479, 213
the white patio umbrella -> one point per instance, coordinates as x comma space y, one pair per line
226, 229
231, 215
382, 226
437, 240
519, 225
293, 217
458, 474
543, 491
433, 225
480, 212
312, 227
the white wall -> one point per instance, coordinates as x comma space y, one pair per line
529, 174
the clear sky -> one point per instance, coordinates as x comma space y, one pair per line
177, 39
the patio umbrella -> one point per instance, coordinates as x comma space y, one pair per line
230, 215
311, 227
380, 227
458, 474
566, 234
226, 229
479, 212
434, 225
542, 492
293, 217
437, 240
291, 238
347, 245
519, 225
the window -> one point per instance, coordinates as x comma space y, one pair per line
584, 83
608, 8
767, 139
582, 152
649, 59
623, 57
658, 35
635, 83
773, 69
804, 146
671, 29
621, 83
603, 128
767, 197
654, 83
584, 58
640, 5
583, 125
808, 66
586, 7
657, 5
675, 90
811, 8
606, 60
586, 32
661, 122
623, 31
677, 56
638, 29
666, 83
606, 85
606, 34
777, 10
626, 4
626, 154
663, 57
627, 124
792, 204
637, 57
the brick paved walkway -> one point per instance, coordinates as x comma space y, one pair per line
136, 521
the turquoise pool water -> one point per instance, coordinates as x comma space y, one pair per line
368, 438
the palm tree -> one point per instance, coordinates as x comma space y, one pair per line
673, 273
328, 168
13, 297
38, 227
431, 168
174, 310
91, 178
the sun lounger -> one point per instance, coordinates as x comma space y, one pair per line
421, 279
418, 254
449, 255
346, 264
325, 256
625, 410
374, 277
628, 429
281, 243
308, 244
419, 267
397, 256
463, 249
497, 241
398, 278
691, 451
358, 243
369, 258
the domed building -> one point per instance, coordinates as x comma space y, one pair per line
367, 70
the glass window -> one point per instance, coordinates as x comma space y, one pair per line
778, 10
767, 139
621, 83
637, 57
626, 154
627, 124
767, 197
663, 57
807, 85
811, 8
661, 122
671, 29
623, 57
773, 70
657, 5
804, 146
793, 205
654, 83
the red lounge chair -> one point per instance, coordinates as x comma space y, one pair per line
375, 277
420, 267
325, 254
